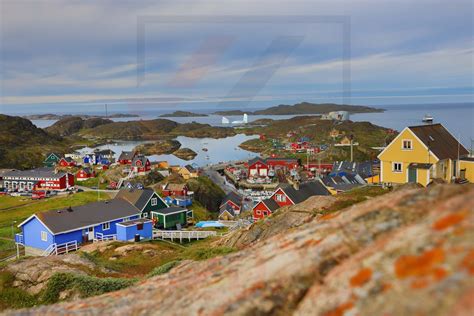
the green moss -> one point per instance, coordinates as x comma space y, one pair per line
11, 297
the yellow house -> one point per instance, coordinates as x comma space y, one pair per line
188, 172
420, 154
466, 166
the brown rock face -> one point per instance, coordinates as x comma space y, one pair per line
409, 252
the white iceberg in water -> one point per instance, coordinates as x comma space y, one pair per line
225, 120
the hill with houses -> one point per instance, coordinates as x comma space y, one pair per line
404, 252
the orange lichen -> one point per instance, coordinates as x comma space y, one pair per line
421, 265
468, 262
439, 273
360, 278
419, 284
328, 216
448, 221
340, 310
311, 242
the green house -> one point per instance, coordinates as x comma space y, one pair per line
51, 160
170, 217
147, 200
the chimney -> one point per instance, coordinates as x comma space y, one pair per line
296, 185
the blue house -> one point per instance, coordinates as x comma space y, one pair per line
182, 201
128, 231
60, 231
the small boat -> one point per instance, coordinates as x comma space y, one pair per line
205, 149
427, 119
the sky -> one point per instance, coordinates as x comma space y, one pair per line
69, 55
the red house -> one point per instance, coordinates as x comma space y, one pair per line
175, 189
288, 163
37, 179
67, 162
126, 157
264, 208
232, 200
84, 174
141, 165
257, 167
286, 195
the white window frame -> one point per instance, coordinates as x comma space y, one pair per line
394, 169
144, 215
281, 197
44, 235
409, 141
106, 226
154, 201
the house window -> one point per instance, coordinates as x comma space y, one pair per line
105, 226
407, 144
154, 201
44, 236
281, 198
145, 215
397, 167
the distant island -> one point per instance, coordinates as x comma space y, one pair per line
50, 116
183, 114
304, 108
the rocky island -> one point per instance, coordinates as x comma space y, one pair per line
50, 116
183, 114
185, 154
163, 147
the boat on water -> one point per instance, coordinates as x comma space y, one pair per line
205, 149
427, 119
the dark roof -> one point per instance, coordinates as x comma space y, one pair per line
228, 208
305, 191
420, 165
35, 173
138, 198
126, 155
271, 204
439, 140
364, 169
135, 222
467, 159
190, 168
104, 151
282, 159
234, 197
256, 159
171, 209
343, 183
175, 186
86, 215
140, 158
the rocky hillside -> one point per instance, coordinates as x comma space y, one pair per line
22, 144
73, 124
408, 252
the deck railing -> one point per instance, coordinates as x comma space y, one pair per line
61, 249
19, 239
182, 234
101, 237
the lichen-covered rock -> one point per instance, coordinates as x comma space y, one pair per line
409, 252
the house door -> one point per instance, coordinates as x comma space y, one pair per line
412, 175
90, 233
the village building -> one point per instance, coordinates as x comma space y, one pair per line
84, 174
188, 172
66, 162
126, 157
54, 231
37, 179
146, 200
286, 195
51, 160
257, 167
342, 168
175, 189
179, 200
466, 169
173, 217
234, 201
107, 154
226, 213
336, 184
420, 154
141, 165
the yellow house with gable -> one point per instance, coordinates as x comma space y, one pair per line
420, 154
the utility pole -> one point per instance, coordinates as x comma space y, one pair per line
352, 147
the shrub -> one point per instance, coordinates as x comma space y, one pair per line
11, 297
164, 268
85, 285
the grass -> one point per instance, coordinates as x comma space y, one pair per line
93, 182
12, 297
200, 213
7, 201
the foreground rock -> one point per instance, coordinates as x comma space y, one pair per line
406, 253
185, 154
